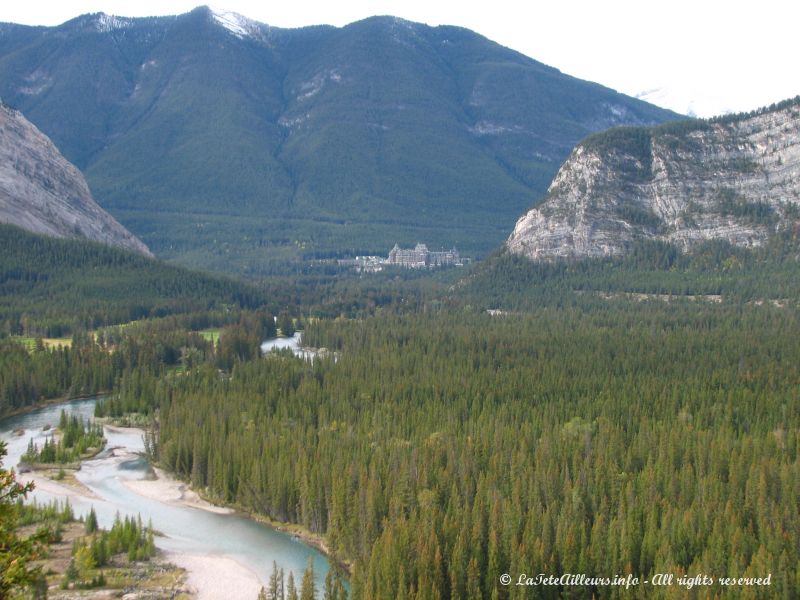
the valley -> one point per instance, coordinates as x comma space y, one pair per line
599, 402
490, 422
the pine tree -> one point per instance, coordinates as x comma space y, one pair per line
272, 585
473, 581
308, 586
291, 591
339, 591
71, 573
329, 592
91, 521
285, 324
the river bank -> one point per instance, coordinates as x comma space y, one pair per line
208, 577
165, 488
304, 535
219, 546
204, 581
26, 410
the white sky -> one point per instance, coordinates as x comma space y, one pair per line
703, 56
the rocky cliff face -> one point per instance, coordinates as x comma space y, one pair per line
44, 193
734, 178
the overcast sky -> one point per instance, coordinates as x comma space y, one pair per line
701, 56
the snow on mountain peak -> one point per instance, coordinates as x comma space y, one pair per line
105, 23
237, 24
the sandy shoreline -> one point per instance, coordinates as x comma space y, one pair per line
69, 491
210, 577
217, 577
171, 491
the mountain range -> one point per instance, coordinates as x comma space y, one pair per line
232, 145
734, 178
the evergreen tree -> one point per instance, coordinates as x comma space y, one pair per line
71, 574
91, 521
329, 592
274, 583
308, 585
285, 324
291, 591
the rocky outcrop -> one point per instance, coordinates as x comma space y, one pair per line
733, 178
44, 193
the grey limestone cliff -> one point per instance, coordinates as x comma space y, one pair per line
44, 193
733, 178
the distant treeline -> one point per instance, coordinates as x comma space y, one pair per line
739, 275
636, 140
52, 287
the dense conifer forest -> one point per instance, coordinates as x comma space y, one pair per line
622, 417
715, 270
438, 451
52, 287
96, 362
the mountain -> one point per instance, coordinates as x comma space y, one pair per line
42, 192
733, 178
227, 143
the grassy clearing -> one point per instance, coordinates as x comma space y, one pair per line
30, 342
63, 342
212, 335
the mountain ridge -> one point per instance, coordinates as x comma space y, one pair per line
734, 178
222, 149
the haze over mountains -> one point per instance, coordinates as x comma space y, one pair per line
232, 145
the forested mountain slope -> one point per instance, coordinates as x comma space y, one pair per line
52, 287
231, 144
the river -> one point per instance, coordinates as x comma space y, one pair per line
118, 479
292, 343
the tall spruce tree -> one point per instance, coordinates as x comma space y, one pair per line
308, 590
291, 590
